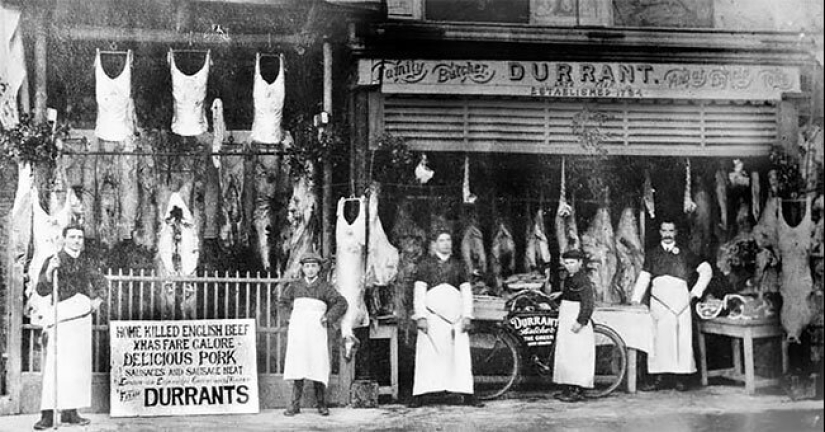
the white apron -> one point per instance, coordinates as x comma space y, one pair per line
442, 355
575, 355
74, 353
307, 352
673, 344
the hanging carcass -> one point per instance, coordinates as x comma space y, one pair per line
502, 254
700, 220
629, 252
178, 254
47, 238
598, 242
382, 257
350, 269
411, 240
472, 251
302, 222
796, 285
537, 253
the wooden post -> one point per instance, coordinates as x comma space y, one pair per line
41, 41
788, 127
326, 197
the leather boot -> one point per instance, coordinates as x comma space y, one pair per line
415, 402
46, 420
321, 398
472, 400
295, 404
72, 417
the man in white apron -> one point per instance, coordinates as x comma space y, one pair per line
669, 268
80, 287
575, 352
443, 302
315, 304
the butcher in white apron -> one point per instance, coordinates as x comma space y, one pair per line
80, 289
443, 302
669, 268
315, 303
575, 351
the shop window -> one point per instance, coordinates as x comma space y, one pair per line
501, 11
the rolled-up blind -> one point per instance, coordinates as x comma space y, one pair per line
551, 126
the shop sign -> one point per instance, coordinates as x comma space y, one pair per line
191, 367
535, 329
545, 79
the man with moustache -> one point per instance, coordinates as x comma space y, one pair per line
669, 268
81, 288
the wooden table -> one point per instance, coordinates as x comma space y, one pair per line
635, 325
388, 330
740, 330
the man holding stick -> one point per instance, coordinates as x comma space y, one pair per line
67, 382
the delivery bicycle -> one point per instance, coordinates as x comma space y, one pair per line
523, 344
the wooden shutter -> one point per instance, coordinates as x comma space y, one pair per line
630, 127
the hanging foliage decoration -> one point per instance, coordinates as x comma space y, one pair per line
791, 182
392, 161
32, 141
313, 146
588, 126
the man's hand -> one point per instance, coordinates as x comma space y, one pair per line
54, 264
324, 321
466, 325
576, 327
422, 325
96, 303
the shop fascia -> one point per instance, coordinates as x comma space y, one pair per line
580, 79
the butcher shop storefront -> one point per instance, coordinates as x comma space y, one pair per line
544, 156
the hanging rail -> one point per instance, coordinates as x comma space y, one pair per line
143, 35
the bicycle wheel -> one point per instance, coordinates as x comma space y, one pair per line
611, 361
496, 361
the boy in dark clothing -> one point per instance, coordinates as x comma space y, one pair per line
314, 303
575, 354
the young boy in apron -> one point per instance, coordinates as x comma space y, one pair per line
315, 303
575, 362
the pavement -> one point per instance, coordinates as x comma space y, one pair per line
710, 409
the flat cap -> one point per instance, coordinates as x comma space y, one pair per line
311, 257
574, 254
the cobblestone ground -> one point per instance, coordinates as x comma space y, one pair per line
716, 408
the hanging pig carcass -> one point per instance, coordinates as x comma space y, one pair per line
178, 255
796, 287
350, 269
47, 236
